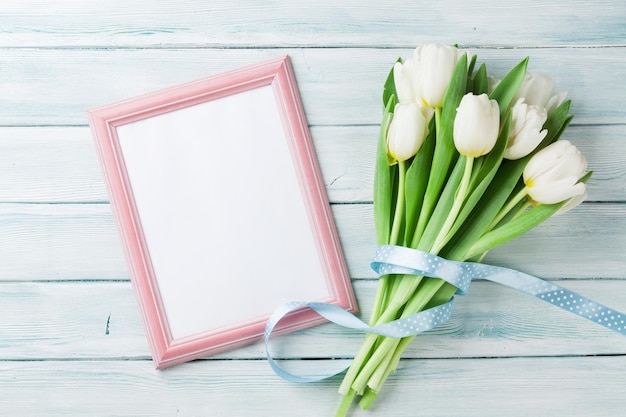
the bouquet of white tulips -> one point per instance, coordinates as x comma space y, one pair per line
465, 163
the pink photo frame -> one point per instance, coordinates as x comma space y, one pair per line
221, 208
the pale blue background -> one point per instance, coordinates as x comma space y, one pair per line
71, 339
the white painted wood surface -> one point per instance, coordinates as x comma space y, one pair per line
71, 339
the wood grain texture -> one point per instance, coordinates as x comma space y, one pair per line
453, 387
59, 164
101, 321
220, 23
334, 91
80, 242
71, 338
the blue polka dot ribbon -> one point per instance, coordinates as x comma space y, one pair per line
391, 259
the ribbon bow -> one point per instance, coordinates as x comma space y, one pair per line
390, 259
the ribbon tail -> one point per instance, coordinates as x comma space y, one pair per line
586, 308
557, 296
407, 326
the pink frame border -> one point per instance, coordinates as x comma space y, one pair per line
104, 120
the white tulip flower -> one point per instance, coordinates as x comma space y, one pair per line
573, 202
476, 125
555, 101
404, 75
407, 132
536, 90
526, 129
436, 64
552, 175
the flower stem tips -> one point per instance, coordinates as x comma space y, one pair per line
465, 162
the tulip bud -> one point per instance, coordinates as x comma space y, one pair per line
476, 125
492, 83
404, 74
552, 174
526, 134
555, 101
407, 132
436, 65
536, 90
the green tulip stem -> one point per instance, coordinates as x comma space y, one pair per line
399, 213
384, 369
383, 286
381, 355
438, 119
522, 209
434, 290
459, 199
386, 347
406, 286
368, 399
345, 405
428, 204
519, 212
379, 299
508, 207
362, 357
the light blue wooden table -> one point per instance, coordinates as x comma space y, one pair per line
71, 338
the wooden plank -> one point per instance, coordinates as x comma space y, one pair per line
39, 321
71, 339
49, 165
573, 240
465, 387
59, 164
80, 241
40, 84
324, 23
51, 242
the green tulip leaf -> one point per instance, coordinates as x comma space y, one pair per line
445, 150
471, 65
518, 226
470, 71
493, 200
557, 122
383, 194
557, 117
442, 209
416, 181
508, 86
480, 84
513, 229
389, 89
